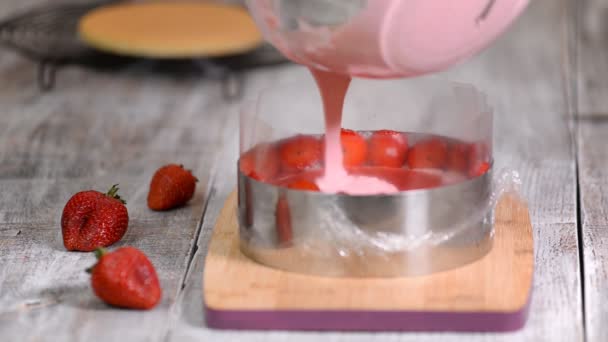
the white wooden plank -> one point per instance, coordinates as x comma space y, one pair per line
592, 162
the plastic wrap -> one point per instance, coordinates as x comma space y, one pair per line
424, 228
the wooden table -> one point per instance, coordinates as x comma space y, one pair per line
548, 79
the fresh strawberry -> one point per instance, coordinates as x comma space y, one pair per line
171, 186
92, 219
125, 278
261, 162
458, 157
303, 184
431, 153
354, 148
387, 148
299, 153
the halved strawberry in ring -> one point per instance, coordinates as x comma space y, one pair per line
305, 180
458, 157
354, 148
283, 221
428, 154
303, 184
387, 148
261, 162
300, 152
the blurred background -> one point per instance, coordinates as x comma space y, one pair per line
49, 34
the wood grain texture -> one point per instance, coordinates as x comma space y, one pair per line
99, 128
592, 137
593, 159
234, 282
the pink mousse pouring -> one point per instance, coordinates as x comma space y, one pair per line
333, 88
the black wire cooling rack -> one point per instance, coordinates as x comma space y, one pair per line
48, 36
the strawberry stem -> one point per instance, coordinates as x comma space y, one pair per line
113, 192
99, 252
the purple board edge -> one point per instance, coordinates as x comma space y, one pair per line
337, 320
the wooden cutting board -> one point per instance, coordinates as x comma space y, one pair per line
175, 29
491, 294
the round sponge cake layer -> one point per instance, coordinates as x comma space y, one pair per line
170, 29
